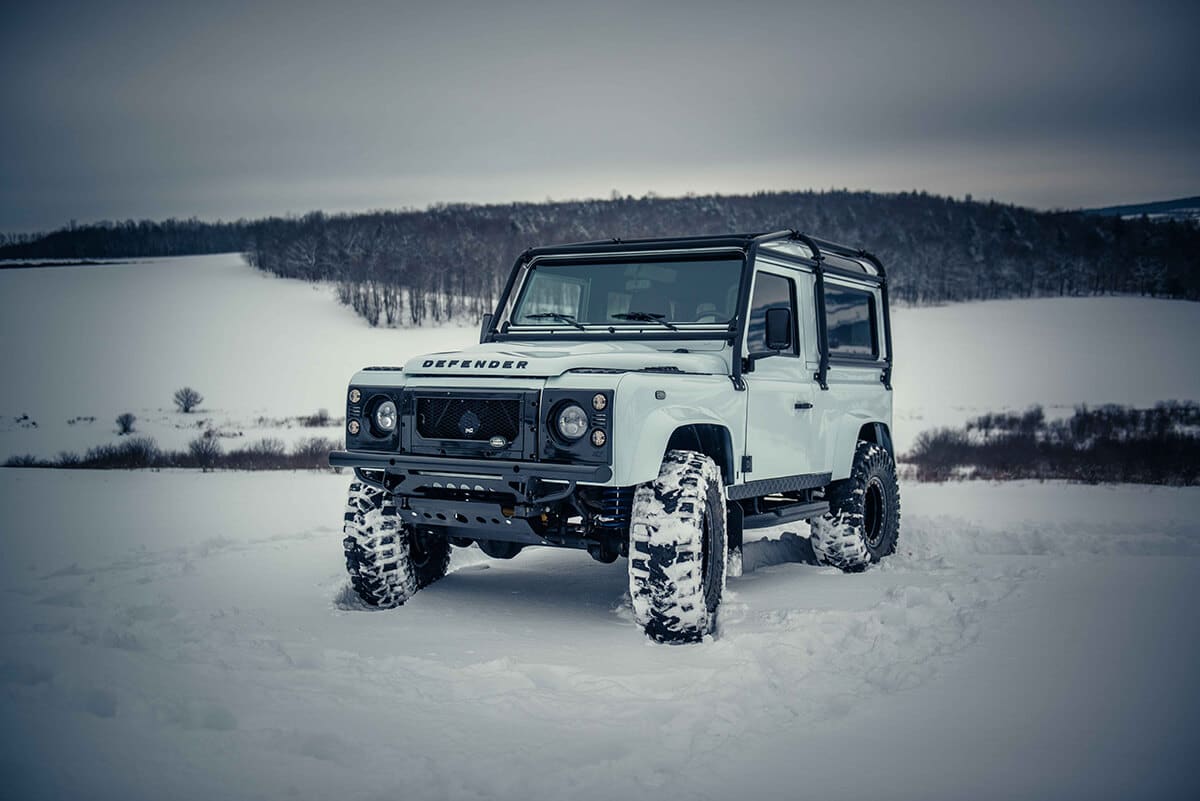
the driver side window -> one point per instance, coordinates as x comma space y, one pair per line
770, 292
553, 295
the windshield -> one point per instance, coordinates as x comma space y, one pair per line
643, 293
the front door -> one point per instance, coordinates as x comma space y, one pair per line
780, 405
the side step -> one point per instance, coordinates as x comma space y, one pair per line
786, 514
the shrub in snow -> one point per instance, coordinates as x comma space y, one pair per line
265, 454
312, 454
125, 423
129, 455
187, 399
318, 420
205, 451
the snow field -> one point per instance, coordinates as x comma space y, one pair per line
100, 341
94, 342
194, 635
956, 362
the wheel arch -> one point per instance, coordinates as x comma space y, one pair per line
711, 439
869, 430
878, 433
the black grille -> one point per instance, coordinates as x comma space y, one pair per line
468, 418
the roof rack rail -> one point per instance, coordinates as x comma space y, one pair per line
611, 245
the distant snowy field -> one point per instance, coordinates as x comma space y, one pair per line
188, 636
958, 361
93, 342
84, 342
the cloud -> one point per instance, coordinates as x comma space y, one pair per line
142, 109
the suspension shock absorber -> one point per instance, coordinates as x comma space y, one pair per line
616, 507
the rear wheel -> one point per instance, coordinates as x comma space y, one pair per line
388, 561
677, 549
863, 523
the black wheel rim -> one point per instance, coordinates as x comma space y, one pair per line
418, 548
873, 513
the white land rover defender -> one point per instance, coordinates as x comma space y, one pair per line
650, 399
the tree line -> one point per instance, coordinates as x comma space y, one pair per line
448, 262
129, 239
1102, 444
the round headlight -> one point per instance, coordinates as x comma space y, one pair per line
572, 421
599, 401
385, 416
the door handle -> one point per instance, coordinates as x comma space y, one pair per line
802, 405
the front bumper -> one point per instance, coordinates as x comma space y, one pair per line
410, 473
420, 483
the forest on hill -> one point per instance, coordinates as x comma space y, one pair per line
449, 261
129, 239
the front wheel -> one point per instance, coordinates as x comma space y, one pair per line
863, 523
387, 560
677, 549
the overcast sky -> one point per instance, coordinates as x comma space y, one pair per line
117, 110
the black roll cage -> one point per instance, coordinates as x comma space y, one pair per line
749, 244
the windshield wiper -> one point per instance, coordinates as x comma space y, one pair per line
561, 318
645, 317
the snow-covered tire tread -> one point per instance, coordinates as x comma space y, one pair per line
673, 601
839, 538
378, 550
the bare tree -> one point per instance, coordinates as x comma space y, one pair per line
125, 423
206, 450
187, 399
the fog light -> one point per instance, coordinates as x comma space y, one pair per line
353, 426
599, 438
599, 402
355, 396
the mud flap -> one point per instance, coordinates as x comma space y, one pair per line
733, 532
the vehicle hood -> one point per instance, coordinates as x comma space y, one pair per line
535, 359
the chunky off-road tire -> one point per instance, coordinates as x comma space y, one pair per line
388, 561
863, 523
677, 549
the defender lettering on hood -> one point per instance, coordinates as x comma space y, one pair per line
544, 360
476, 364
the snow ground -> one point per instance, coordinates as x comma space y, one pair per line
192, 636
93, 342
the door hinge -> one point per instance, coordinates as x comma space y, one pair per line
747, 464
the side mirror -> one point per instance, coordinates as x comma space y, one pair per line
485, 324
779, 329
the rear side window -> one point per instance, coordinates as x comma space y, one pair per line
850, 322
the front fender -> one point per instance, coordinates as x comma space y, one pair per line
644, 422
